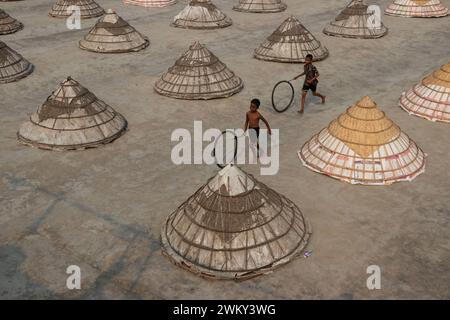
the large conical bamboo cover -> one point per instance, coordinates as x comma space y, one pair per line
290, 42
363, 146
12, 65
234, 227
198, 74
353, 22
151, 3
201, 14
88, 9
71, 118
8, 24
417, 8
260, 6
112, 34
430, 99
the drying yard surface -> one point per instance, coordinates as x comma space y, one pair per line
102, 209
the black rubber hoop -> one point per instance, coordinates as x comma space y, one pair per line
223, 133
276, 108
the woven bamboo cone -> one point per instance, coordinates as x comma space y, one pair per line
151, 3
353, 22
72, 118
234, 227
112, 34
201, 14
430, 99
291, 42
260, 6
13, 66
199, 75
363, 146
88, 9
417, 9
8, 24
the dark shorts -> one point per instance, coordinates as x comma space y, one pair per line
312, 87
256, 130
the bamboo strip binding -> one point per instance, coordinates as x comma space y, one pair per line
430, 99
8, 24
363, 146
260, 6
198, 75
72, 118
13, 66
234, 227
151, 3
353, 22
88, 9
112, 34
201, 14
291, 42
417, 9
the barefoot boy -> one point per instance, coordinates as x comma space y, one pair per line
311, 75
252, 120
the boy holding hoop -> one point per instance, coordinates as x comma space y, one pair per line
311, 75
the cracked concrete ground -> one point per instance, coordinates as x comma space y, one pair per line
102, 209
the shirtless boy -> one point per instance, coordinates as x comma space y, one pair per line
253, 117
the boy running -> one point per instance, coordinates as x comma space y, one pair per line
311, 75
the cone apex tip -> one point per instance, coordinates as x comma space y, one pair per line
366, 101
